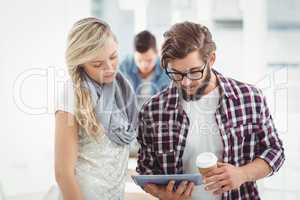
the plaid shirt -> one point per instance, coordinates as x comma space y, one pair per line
245, 125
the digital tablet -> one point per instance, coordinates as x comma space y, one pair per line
142, 180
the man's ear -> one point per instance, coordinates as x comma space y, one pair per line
212, 59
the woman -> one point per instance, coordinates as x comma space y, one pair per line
95, 117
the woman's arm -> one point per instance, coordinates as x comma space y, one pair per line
66, 148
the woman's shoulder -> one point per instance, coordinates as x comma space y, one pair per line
65, 98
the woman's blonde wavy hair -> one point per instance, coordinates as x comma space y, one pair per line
86, 39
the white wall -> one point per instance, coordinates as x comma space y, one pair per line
33, 35
280, 46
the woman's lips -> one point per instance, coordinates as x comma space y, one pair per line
109, 75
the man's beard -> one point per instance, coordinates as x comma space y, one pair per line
199, 92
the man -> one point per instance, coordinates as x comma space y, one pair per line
202, 111
143, 68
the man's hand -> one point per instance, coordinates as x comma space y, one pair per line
183, 191
224, 178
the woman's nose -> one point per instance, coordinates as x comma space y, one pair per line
109, 65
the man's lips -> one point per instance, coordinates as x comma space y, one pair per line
188, 88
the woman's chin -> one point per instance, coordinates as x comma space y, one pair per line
109, 79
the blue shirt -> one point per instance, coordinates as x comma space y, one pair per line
159, 79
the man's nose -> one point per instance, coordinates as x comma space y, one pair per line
186, 81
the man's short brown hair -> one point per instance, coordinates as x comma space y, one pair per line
183, 38
144, 41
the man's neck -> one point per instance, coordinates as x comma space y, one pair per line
213, 83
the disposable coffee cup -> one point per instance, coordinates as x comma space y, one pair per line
205, 162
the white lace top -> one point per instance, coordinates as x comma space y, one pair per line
101, 166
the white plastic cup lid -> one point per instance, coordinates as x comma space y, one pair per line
206, 160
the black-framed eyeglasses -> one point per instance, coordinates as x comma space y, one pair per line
195, 73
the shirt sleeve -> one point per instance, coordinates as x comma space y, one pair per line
65, 100
145, 164
269, 146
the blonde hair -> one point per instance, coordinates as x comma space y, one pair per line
86, 38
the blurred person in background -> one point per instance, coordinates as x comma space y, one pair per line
95, 118
143, 71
